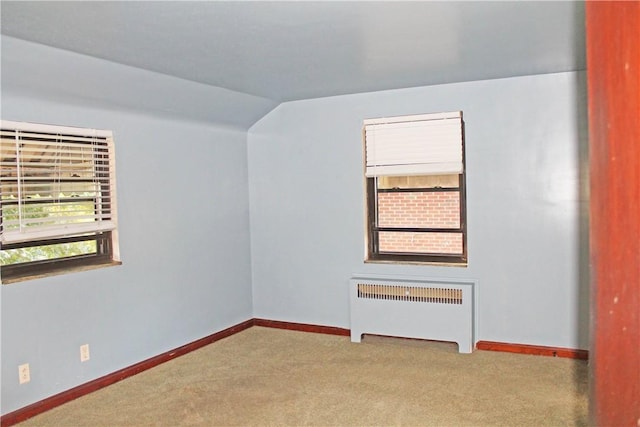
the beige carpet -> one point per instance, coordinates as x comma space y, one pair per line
267, 376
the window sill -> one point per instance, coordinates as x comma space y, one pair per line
21, 277
424, 263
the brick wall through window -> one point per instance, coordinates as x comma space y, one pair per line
420, 210
423, 209
445, 243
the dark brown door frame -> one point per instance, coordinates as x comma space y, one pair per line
613, 70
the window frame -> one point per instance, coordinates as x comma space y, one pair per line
373, 251
106, 241
26, 270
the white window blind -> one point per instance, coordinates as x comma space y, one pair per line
55, 182
427, 144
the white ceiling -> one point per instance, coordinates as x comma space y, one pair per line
295, 50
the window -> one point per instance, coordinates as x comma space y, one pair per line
415, 181
58, 200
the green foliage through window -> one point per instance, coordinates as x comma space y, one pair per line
45, 252
76, 212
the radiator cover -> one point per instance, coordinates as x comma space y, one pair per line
432, 309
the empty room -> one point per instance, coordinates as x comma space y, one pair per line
319, 213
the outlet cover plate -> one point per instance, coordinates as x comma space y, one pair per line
24, 374
84, 353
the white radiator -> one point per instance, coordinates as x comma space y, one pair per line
440, 310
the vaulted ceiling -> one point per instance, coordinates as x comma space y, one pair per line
286, 51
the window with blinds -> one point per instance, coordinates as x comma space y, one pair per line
415, 180
58, 199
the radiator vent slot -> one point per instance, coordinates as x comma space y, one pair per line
410, 293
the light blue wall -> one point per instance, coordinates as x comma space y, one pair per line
191, 252
526, 147
184, 241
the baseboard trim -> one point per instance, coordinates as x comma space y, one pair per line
303, 327
34, 409
533, 349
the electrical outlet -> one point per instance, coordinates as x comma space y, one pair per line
24, 376
84, 353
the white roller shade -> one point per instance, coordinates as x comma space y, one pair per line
428, 144
55, 182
